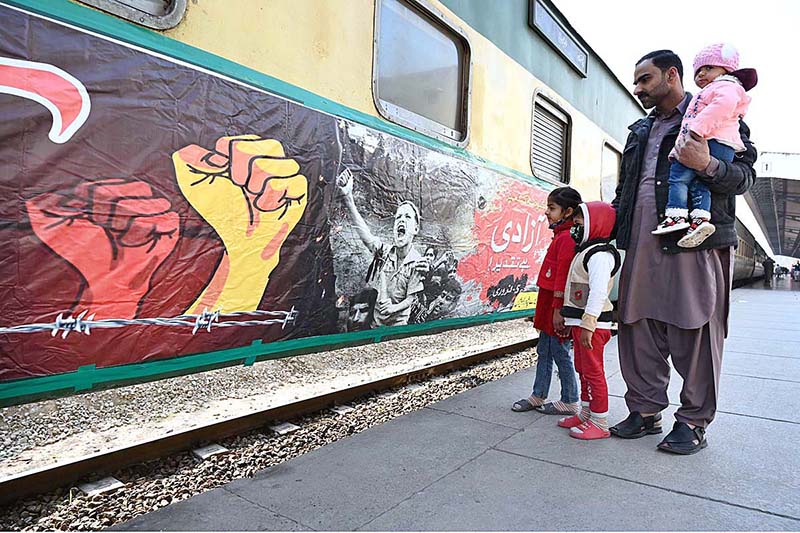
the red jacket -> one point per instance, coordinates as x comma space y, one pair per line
553, 275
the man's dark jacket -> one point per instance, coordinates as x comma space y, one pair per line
729, 180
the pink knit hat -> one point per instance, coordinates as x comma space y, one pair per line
717, 55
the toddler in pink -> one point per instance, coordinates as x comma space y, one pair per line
713, 114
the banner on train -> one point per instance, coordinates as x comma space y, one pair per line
150, 210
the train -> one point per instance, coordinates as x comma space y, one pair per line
203, 183
748, 264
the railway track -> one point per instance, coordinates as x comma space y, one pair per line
19, 486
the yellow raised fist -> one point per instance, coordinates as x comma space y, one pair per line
253, 196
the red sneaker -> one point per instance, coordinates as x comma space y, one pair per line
570, 422
589, 431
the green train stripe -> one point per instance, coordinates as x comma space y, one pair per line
88, 377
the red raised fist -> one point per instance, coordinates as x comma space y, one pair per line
115, 231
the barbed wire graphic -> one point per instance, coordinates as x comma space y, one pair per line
206, 320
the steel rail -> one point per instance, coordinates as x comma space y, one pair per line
45, 479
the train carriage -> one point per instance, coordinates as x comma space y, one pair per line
748, 259
204, 183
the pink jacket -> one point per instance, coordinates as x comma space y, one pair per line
714, 112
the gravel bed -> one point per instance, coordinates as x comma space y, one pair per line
29, 426
150, 486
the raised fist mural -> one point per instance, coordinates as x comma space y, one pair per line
253, 196
115, 232
175, 256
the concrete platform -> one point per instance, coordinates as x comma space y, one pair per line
470, 463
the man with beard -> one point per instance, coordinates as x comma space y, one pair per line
395, 268
673, 301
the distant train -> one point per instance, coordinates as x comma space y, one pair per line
748, 262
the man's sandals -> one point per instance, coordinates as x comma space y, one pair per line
684, 440
636, 426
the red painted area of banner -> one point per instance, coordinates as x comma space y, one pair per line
275, 243
512, 236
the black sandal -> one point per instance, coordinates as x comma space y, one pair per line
550, 409
636, 426
684, 440
520, 406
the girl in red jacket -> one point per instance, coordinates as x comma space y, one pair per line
554, 342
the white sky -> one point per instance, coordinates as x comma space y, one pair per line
766, 33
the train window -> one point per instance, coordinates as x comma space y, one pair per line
609, 172
421, 70
156, 14
550, 141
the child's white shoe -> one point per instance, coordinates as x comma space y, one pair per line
670, 225
700, 230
